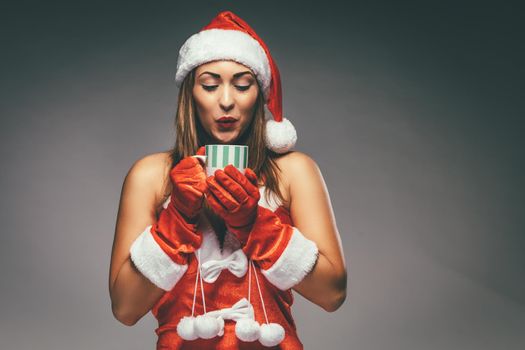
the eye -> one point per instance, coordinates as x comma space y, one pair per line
209, 87
243, 88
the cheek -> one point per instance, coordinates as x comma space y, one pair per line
247, 110
247, 103
203, 105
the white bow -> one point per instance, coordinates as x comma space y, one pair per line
241, 309
237, 263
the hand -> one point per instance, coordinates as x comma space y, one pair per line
189, 185
161, 252
234, 196
175, 231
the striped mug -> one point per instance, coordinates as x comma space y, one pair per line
218, 156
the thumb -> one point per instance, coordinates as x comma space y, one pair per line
201, 151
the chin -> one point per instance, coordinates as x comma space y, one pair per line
225, 138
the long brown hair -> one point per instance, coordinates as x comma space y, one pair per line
190, 135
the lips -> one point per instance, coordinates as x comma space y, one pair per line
226, 119
227, 123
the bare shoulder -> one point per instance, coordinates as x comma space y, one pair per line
149, 167
151, 172
294, 166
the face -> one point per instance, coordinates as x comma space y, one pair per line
225, 93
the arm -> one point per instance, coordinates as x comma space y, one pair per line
307, 256
160, 253
312, 215
132, 294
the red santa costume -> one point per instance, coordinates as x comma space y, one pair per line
237, 296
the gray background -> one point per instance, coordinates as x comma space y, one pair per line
413, 112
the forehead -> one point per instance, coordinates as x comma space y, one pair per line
222, 67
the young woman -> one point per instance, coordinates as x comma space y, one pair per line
214, 257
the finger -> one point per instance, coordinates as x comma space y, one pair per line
250, 188
185, 173
215, 204
250, 174
201, 184
187, 162
189, 191
222, 195
187, 170
201, 162
235, 189
201, 151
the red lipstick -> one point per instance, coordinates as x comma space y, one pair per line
227, 122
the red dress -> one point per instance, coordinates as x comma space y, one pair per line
226, 290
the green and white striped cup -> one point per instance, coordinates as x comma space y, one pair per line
218, 156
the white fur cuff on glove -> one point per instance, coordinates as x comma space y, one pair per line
296, 261
154, 263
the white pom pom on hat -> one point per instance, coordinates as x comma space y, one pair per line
280, 136
227, 36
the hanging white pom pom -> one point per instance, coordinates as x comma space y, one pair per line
271, 334
186, 328
247, 329
206, 326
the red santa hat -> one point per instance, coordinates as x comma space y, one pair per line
229, 37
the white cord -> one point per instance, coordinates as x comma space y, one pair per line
194, 293
202, 287
260, 294
249, 280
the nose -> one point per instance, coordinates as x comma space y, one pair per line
226, 99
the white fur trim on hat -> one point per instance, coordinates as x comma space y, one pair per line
280, 136
216, 44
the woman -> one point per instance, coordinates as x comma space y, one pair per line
215, 256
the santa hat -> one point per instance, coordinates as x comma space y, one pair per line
229, 37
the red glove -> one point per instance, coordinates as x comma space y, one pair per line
234, 197
283, 253
161, 251
189, 185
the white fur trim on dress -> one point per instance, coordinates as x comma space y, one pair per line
154, 263
296, 261
216, 44
280, 136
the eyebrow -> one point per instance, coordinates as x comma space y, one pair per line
236, 75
